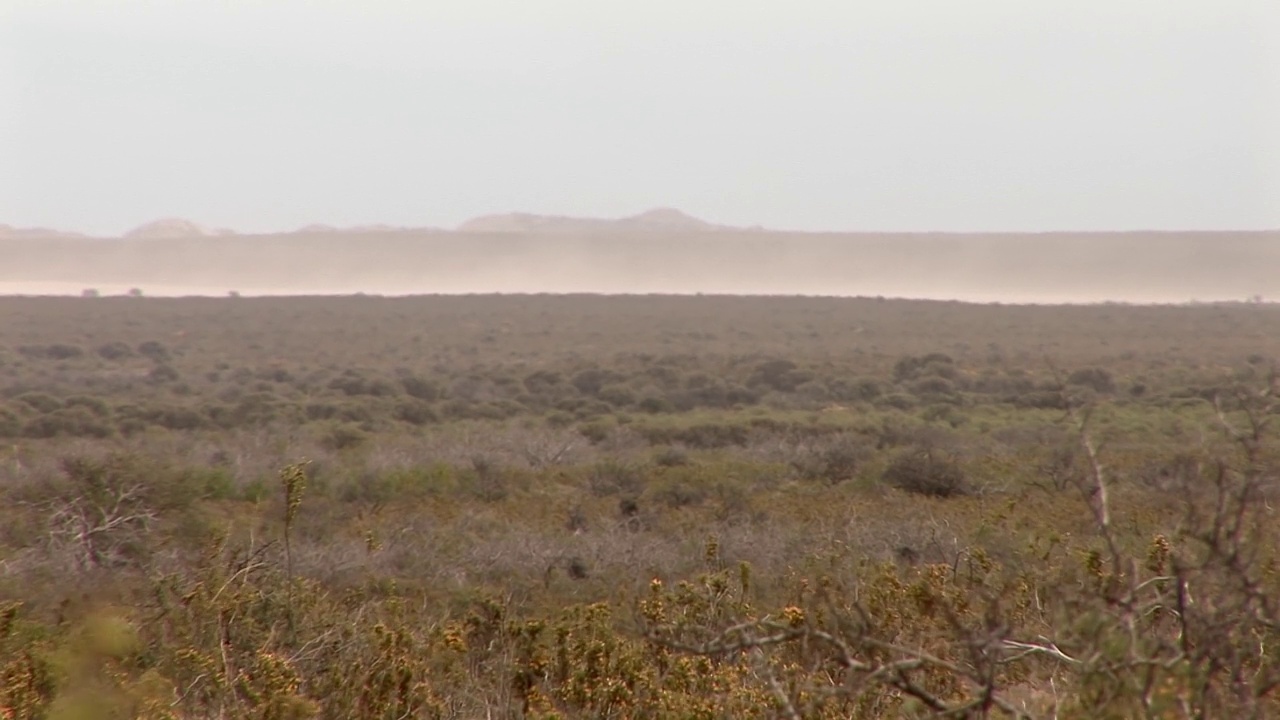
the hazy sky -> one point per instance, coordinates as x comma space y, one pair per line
893, 115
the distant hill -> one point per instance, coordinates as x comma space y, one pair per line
8, 231
656, 220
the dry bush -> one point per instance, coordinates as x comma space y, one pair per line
926, 472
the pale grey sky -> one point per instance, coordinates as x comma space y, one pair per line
840, 115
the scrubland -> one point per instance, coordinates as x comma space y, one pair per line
636, 507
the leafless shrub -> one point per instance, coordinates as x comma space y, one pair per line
829, 459
101, 515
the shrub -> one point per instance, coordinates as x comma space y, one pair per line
10, 424
485, 480
617, 395
104, 510
115, 351
416, 387
897, 401
343, 437
911, 367
862, 389
671, 457
73, 422
541, 382
214, 483
153, 350
163, 373
703, 436
679, 492
831, 462
589, 382
923, 473
613, 477
97, 406
1042, 399
351, 384
322, 411
655, 405
1097, 379
932, 385
596, 431
40, 402
416, 412
275, 375
176, 418
57, 351
779, 375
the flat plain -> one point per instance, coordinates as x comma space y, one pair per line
636, 506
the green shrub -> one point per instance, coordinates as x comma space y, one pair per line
40, 402
398, 485
211, 483
97, 406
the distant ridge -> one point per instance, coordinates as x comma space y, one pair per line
178, 228
655, 220
10, 232
662, 220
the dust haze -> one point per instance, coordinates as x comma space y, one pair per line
661, 251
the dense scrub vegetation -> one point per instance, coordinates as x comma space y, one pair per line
636, 507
